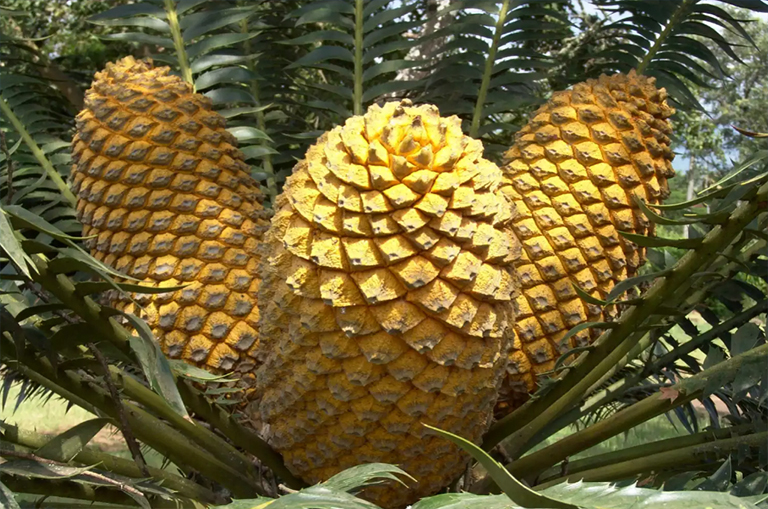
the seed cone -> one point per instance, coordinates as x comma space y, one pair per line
162, 186
386, 300
572, 174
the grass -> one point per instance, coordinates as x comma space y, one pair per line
51, 416
39, 414
658, 428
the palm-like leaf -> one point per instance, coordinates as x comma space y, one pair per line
488, 69
357, 46
671, 40
35, 122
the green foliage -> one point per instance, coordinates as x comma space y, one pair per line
692, 328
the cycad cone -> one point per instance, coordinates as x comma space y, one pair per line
161, 184
386, 300
388, 291
572, 174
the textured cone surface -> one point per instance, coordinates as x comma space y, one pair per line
168, 197
572, 174
387, 300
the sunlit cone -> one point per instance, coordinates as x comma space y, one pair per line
168, 197
572, 174
386, 300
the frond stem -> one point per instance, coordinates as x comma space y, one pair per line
488, 71
79, 491
669, 459
178, 41
600, 398
242, 437
614, 458
63, 289
149, 429
8, 165
261, 123
358, 90
93, 456
658, 403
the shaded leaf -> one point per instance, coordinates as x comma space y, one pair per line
154, 364
514, 489
10, 244
186, 370
40, 470
65, 446
7, 500
352, 479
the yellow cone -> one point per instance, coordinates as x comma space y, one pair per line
387, 300
165, 191
572, 174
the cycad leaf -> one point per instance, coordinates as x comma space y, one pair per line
356, 478
224, 75
10, 244
323, 54
608, 496
65, 446
128, 10
141, 38
40, 470
154, 364
514, 489
7, 498
202, 23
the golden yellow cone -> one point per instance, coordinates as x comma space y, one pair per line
572, 174
386, 300
168, 196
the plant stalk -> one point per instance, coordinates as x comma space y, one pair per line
125, 428
38, 153
261, 122
645, 450
178, 42
79, 491
148, 428
242, 437
358, 90
477, 114
93, 456
65, 291
215, 445
675, 458
619, 388
85, 307
683, 392
8, 165
711, 334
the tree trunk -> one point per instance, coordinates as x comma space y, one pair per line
426, 50
691, 186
